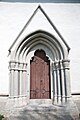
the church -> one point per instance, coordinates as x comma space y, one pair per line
40, 57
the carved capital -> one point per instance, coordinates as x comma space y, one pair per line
66, 64
17, 66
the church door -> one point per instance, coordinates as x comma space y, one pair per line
40, 76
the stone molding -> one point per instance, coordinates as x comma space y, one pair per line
19, 66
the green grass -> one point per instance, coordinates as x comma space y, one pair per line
1, 116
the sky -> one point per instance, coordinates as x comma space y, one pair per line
43, 1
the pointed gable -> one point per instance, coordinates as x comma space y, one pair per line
39, 21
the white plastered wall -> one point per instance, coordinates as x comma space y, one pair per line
66, 18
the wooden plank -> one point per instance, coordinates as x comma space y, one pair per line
40, 76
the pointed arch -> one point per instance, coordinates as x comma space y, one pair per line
58, 48
57, 53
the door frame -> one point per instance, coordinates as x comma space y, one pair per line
29, 56
42, 52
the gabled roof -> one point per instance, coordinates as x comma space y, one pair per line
49, 20
43, 1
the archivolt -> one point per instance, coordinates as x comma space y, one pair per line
57, 53
57, 48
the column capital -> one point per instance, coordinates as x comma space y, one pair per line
55, 65
66, 63
65, 60
13, 65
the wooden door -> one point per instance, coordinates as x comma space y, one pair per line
40, 76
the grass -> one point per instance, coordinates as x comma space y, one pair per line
1, 116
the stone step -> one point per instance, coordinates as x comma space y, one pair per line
37, 115
40, 101
42, 112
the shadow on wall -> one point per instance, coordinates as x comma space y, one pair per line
43, 1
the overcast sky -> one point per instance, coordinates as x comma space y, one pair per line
43, 1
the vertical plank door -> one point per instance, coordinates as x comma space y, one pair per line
40, 76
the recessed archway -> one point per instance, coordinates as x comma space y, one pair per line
56, 52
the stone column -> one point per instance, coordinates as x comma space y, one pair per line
24, 79
60, 78
66, 70
54, 81
11, 83
62, 85
21, 79
57, 83
16, 81
11, 79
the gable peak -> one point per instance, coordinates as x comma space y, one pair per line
30, 19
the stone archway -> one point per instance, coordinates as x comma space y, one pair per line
57, 53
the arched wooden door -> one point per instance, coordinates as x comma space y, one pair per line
40, 76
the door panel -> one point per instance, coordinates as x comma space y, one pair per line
40, 76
